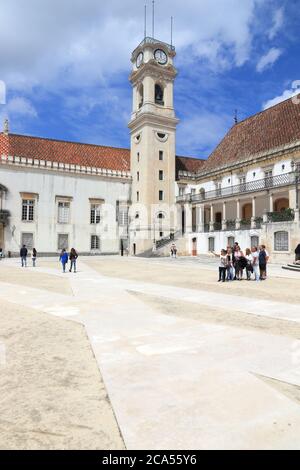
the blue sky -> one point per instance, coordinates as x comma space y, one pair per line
66, 64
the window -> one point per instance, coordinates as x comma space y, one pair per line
268, 178
159, 95
161, 234
95, 242
181, 191
95, 213
138, 156
137, 196
211, 244
123, 216
141, 96
28, 210
281, 241
161, 175
27, 239
161, 155
160, 216
193, 191
63, 212
254, 241
161, 195
242, 180
63, 241
138, 176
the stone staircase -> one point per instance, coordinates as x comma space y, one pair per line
163, 246
292, 267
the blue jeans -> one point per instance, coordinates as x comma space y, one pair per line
24, 261
64, 266
73, 263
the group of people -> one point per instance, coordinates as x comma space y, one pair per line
24, 256
233, 263
65, 257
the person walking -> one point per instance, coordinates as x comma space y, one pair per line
34, 257
249, 266
297, 253
64, 258
255, 262
73, 258
222, 266
262, 257
23, 255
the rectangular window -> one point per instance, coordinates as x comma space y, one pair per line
211, 244
161, 195
268, 178
161, 175
281, 241
27, 239
95, 242
138, 176
63, 241
137, 196
28, 210
63, 212
95, 213
138, 157
161, 155
161, 234
123, 216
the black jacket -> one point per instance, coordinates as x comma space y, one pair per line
23, 252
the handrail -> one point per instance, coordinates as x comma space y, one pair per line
251, 186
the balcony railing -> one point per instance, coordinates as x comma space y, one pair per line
252, 186
287, 215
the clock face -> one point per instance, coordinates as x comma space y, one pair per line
160, 57
139, 59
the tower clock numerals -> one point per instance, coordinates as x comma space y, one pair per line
139, 59
160, 57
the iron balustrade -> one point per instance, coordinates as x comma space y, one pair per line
252, 186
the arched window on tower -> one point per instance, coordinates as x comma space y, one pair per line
141, 96
159, 95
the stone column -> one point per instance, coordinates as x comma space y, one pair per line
188, 218
200, 218
224, 221
253, 223
238, 215
271, 205
211, 223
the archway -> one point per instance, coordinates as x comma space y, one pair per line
247, 211
281, 204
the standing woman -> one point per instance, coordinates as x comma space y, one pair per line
64, 259
249, 266
73, 259
238, 255
262, 257
34, 257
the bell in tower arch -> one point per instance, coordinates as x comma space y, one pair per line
159, 95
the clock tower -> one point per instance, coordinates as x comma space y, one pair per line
153, 128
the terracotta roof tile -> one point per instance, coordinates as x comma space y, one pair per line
66, 152
267, 130
96, 156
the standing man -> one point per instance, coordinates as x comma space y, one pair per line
23, 256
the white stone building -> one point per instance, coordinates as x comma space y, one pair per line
56, 194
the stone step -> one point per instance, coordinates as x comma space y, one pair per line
291, 267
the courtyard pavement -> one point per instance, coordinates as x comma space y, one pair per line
187, 363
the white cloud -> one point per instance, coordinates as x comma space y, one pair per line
295, 90
78, 42
268, 59
200, 133
20, 107
2, 92
278, 20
